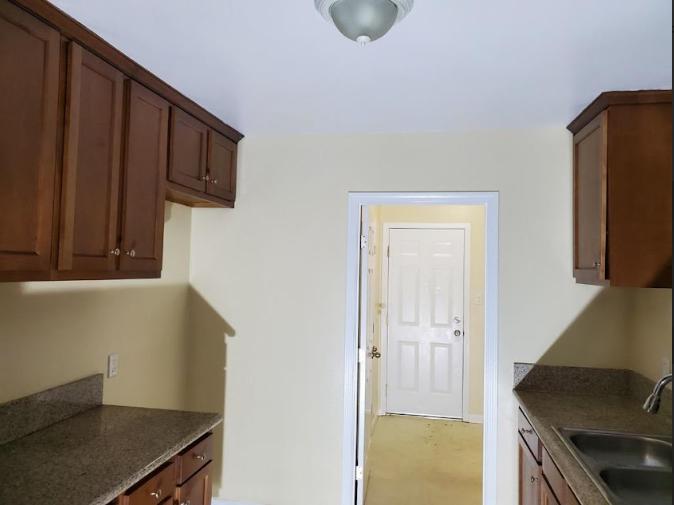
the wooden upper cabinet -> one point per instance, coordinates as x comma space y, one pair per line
590, 210
29, 98
221, 167
623, 190
145, 164
91, 168
187, 151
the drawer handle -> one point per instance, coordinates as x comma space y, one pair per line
131, 253
534, 479
156, 494
529, 431
186, 502
115, 252
200, 457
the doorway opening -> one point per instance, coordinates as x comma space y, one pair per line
420, 402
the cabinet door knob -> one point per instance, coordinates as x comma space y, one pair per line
533, 479
115, 252
597, 264
186, 502
205, 178
215, 181
200, 457
131, 253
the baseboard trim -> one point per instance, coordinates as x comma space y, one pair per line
220, 501
473, 419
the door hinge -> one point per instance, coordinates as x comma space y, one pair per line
363, 241
388, 251
361, 355
359, 473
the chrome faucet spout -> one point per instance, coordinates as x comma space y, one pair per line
652, 405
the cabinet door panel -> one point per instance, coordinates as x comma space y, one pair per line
144, 180
29, 93
197, 490
529, 476
90, 194
187, 158
221, 166
547, 496
590, 201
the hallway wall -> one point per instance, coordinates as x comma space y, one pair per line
274, 268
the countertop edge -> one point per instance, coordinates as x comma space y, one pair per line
140, 475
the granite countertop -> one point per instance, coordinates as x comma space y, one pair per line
617, 409
92, 457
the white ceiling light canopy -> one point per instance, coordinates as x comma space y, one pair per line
364, 21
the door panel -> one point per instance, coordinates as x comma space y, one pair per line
90, 194
29, 93
425, 304
529, 476
590, 200
144, 176
187, 158
221, 166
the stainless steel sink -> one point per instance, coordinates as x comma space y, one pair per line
630, 469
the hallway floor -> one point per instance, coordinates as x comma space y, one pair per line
418, 461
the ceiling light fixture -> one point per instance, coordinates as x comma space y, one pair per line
364, 21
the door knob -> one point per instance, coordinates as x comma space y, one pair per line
374, 353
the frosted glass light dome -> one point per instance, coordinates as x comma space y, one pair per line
364, 21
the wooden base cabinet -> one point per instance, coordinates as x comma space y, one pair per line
197, 490
623, 190
540, 482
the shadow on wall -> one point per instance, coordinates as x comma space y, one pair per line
53, 334
206, 360
598, 337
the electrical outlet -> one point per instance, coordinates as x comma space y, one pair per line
666, 366
113, 365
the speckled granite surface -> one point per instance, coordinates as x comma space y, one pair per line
94, 456
32, 413
616, 409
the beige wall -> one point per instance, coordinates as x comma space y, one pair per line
475, 216
52, 333
275, 270
650, 328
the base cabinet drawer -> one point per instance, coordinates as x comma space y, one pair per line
190, 460
197, 490
157, 488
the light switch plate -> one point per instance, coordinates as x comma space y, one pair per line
113, 365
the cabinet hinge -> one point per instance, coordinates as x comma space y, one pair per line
359, 473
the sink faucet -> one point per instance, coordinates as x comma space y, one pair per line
652, 405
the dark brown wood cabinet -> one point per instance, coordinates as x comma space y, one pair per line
202, 164
29, 103
540, 482
221, 167
187, 154
92, 165
197, 490
86, 161
144, 183
623, 190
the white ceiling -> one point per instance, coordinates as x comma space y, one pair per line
273, 66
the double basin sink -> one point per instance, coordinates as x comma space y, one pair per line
629, 469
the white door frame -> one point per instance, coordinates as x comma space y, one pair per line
383, 378
358, 200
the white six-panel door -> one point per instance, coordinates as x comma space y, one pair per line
424, 362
